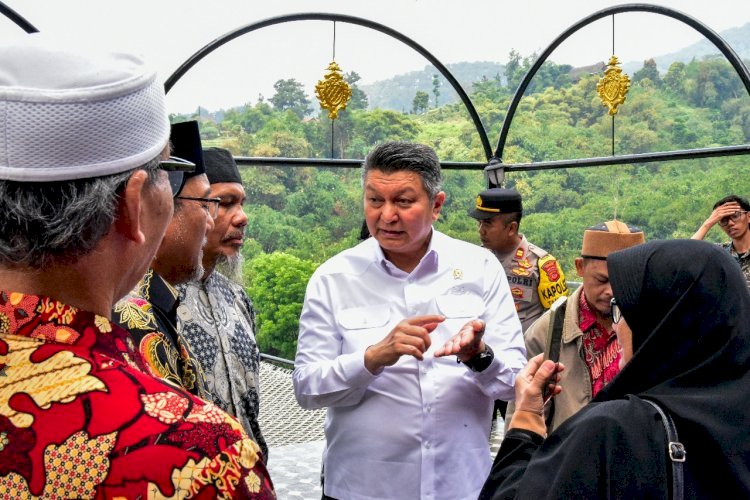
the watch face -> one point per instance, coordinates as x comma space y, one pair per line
482, 360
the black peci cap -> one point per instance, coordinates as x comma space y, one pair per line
496, 201
186, 145
220, 166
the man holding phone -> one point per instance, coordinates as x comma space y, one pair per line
587, 345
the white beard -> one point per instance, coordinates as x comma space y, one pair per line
232, 267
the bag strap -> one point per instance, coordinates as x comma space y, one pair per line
554, 343
675, 451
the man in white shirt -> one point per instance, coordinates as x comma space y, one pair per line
381, 330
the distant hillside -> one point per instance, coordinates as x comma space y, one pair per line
397, 93
737, 38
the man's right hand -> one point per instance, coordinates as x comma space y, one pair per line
410, 337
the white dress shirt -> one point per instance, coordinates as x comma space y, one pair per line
417, 429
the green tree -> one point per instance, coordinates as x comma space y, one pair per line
278, 283
649, 71
436, 89
359, 98
420, 103
674, 79
290, 95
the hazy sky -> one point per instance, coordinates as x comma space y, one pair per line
169, 31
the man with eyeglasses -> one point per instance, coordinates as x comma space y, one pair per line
731, 213
218, 319
83, 208
149, 311
588, 348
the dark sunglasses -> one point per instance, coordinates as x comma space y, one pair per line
176, 168
616, 313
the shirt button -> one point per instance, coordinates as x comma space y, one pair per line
427, 445
429, 408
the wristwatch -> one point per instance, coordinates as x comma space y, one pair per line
480, 361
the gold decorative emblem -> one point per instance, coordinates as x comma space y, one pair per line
613, 86
458, 274
333, 92
479, 201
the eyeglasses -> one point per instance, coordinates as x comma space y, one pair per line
616, 313
210, 205
734, 218
176, 168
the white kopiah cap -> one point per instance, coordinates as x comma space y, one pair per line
72, 113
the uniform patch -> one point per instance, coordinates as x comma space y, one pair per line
551, 281
553, 271
524, 263
519, 253
517, 293
520, 271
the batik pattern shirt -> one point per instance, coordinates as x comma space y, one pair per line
218, 322
601, 352
149, 314
81, 418
743, 259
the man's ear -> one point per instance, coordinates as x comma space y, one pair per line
513, 228
579, 266
437, 204
130, 209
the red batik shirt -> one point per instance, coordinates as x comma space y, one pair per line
80, 417
600, 349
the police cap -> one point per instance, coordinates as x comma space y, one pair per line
496, 201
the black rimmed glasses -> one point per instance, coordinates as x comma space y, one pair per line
734, 218
176, 168
616, 313
210, 205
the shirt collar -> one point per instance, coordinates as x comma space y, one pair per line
162, 295
586, 317
427, 264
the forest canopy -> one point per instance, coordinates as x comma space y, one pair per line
300, 216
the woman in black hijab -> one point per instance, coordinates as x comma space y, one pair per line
685, 333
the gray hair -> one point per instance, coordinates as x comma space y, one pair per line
392, 157
59, 222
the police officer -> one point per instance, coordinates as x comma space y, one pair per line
535, 277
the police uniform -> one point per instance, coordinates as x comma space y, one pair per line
535, 277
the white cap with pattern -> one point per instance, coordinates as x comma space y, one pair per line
69, 112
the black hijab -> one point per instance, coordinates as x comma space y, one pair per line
688, 306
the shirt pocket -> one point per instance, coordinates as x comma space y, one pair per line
363, 326
458, 310
466, 306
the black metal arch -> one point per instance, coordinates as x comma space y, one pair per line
715, 38
17, 18
318, 16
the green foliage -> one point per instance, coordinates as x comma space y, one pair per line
420, 103
278, 283
290, 94
306, 215
359, 98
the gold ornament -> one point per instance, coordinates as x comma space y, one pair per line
613, 86
333, 92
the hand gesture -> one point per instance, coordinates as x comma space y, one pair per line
466, 343
722, 211
411, 337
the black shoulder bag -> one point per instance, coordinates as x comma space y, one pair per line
675, 451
